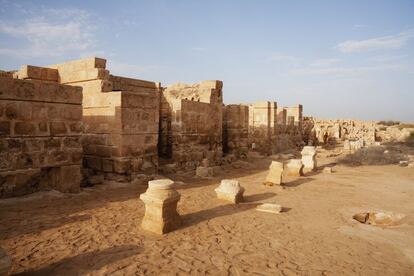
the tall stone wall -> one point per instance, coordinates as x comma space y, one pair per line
273, 129
40, 131
236, 129
295, 112
281, 119
289, 128
191, 123
262, 118
120, 116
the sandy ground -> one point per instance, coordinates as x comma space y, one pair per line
98, 231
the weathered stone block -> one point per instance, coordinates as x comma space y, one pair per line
204, 171
160, 201
275, 174
294, 167
5, 128
93, 162
308, 158
230, 190
39, 73
122, 165
58, 128
24, 128
269, 208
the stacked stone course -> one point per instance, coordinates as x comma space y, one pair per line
120, 118
40, 131
191, 123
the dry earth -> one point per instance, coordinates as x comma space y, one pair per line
98, 231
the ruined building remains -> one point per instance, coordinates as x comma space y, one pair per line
236, 130
62, 125
40, 132
191, 123
120, 117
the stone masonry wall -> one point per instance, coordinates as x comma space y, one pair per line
236, 127
260, 126
40, 130
191, 123
120, 118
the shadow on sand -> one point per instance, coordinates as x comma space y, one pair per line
297, 182
87, 262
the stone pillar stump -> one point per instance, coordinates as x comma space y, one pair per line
160, 200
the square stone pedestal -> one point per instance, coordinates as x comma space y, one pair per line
160, 200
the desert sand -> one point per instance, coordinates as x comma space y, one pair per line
98, 232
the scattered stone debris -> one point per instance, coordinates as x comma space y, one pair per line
230, 190
269, 208
379, 218
160, 201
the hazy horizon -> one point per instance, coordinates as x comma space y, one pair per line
350, 59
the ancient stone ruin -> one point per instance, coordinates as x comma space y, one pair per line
191, 123
120, 117
77, 119
40, 133
354, 134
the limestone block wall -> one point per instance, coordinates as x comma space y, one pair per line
120, 117
40, 131
273, 129
326, 130
296, 113
262, 118
191, 123
236, 129
281, 119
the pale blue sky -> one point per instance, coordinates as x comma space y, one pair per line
340, 59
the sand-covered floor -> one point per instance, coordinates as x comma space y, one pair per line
98, 231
